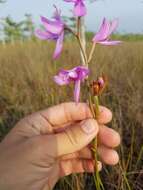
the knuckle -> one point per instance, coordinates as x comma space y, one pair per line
72, 137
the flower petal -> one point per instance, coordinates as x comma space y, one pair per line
77, 91
82, 72
110, 43
103, 31
73, 74
43, 35
57, 14
54, 27
79, 9
113, 26
59, 46
61, 80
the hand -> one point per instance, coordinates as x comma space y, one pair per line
53, 143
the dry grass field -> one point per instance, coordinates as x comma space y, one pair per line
26, 85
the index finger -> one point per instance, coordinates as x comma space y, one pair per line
72, 112
67, 112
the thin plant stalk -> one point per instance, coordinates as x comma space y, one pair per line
91, 52
129, 160
94, 106
95, 111
82, 36
125, 177
96, 103
83, 54
139, 158
82, 51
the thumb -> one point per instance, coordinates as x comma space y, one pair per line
72, 139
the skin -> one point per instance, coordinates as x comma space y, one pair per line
50, 144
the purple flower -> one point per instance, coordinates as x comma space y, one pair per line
54, 30
106, 29
76, 75
79, 7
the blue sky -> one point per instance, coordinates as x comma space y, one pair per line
129, 12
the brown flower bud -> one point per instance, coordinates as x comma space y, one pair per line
98, 86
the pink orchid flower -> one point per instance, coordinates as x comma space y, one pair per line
106, 29
76, 75
79, 7
54, 30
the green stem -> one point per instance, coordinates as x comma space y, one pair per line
125, 177
139, 158
99, 183
96, 102
82, 50
78, 26
91, 53
96, 176
94, 106
77, 36
93, 103
81, 41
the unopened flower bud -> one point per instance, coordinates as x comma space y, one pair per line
97, 86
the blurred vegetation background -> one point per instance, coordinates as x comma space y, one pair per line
26, 85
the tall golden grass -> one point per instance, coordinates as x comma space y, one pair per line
26, 85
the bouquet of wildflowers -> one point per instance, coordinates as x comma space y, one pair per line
55, 30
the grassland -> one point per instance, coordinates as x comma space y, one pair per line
26, 85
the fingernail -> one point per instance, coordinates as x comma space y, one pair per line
88, 127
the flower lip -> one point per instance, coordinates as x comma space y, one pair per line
77, 73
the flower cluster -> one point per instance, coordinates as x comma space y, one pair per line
54, 30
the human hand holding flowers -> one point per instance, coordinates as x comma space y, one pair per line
53, 143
